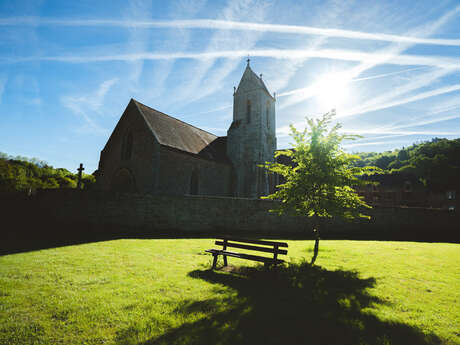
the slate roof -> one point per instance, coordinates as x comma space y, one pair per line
182, 136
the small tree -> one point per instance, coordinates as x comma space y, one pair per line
320, 182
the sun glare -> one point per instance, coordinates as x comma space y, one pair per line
332, 89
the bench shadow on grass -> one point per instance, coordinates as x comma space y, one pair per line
297, 304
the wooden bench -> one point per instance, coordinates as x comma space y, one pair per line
232, 242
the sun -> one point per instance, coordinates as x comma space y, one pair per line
332, 89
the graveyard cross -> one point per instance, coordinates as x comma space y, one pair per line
80, 169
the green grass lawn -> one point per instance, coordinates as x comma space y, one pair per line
160, 291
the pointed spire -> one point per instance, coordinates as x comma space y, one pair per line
249, 77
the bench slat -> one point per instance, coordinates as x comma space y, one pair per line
249, 247
267, 243
245, 256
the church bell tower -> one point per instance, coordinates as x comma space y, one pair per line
251, 138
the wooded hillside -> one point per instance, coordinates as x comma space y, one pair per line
28, 174
435, 163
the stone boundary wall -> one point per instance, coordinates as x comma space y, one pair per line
193, 215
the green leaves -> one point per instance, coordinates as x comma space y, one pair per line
435, 163
23, 175
320, 179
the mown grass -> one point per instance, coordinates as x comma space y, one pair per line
160, 291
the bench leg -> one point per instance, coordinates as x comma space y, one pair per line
225, 260
214, 261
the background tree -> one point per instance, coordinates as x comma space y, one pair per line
22, 174
319, 182
434, 163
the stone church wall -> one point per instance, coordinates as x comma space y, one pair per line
152, 215
144, 155
176, 170
158, 169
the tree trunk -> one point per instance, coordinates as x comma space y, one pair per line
316, 234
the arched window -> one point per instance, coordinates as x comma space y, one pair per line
248, 111
194, 183
127, 146
123, 181
268, 114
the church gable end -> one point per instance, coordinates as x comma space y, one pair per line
152, 152
130, 151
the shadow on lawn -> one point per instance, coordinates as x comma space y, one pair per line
297, 304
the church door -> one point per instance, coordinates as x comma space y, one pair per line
123, 181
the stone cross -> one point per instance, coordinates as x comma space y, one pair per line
80, 170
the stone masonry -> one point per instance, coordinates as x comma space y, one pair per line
151, 152
251, 136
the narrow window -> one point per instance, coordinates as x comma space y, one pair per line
248, 111
123, 148
127, 146
268, 115
194, 183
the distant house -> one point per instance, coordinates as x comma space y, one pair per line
400, 190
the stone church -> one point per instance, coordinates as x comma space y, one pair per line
151, 152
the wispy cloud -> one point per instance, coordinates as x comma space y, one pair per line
387, 55
224, 107
444, 106
309, 91
385, 132
215, 130
288, 54
155, 80
388, 102
89, 104
2, 87
431, 117
373, 143
213, 24
138, 37
427, 121
206, 82
398, 133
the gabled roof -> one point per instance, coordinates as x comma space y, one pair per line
252, 80
179, 135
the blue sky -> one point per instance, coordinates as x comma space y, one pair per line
69, 68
